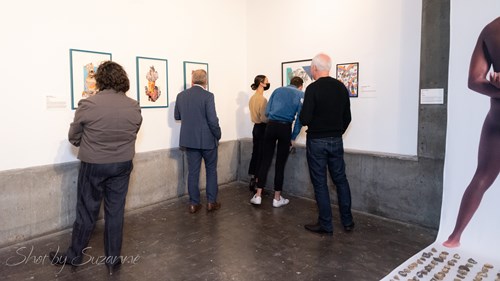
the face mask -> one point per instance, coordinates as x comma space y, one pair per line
267, 86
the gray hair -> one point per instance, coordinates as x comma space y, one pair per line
322, 62
199, 77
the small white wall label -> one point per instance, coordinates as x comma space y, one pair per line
432, 96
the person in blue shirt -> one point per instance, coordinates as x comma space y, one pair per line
282, 110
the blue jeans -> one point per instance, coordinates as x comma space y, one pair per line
194, 157
323, 153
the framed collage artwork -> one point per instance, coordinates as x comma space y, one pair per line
83, 66
300, 68
348, 74
152, 82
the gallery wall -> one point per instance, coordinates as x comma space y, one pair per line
36, 40
238, 39
383, 36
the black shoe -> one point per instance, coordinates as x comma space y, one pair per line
349, 228
316, 228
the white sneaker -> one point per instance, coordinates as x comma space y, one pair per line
281, 202
256, 200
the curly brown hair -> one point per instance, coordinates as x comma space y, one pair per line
111, 75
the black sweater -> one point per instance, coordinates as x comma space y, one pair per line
327, 109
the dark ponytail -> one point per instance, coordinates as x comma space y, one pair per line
256, 82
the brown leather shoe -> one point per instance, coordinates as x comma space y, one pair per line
213, 206
194, 208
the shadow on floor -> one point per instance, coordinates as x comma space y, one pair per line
238, 242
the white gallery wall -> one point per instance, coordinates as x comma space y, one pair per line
238, 39
383, 36
37, 36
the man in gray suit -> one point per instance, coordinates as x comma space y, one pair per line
200, 135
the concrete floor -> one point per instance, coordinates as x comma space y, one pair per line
237, 242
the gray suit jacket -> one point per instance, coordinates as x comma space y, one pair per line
195, 107
105, 128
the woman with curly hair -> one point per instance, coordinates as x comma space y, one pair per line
105, 129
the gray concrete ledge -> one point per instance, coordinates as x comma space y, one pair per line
402, 188
40, 200
382, 155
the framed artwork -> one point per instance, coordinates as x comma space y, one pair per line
83, 66
348, 74
152, 82
189, 66
300, 68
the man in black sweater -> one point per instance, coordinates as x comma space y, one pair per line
326, 111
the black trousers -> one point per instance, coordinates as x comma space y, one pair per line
96, 181
281, 133
258, 147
